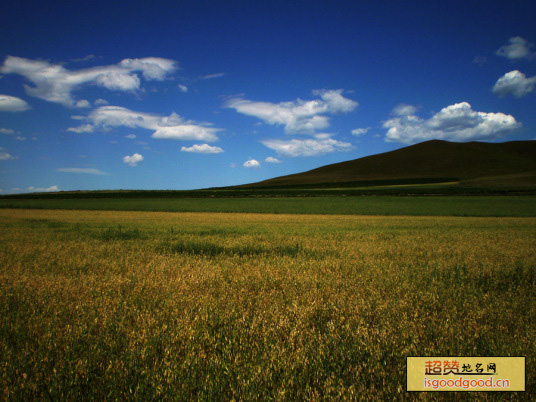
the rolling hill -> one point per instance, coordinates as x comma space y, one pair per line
427, 162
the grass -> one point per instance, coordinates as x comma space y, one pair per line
520, 206
211, 249
144, 305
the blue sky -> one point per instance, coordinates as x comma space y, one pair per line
192, 94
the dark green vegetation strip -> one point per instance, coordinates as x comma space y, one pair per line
428, 187
518, 206
211, 249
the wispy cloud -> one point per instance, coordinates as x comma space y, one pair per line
480, 60
101, 102
54, 83
297, 116
308, 147
211, 76
82, 171
4, 156
11, 132
403, 109
517, 49
186, 132
271, 159
360, 131
458, 122
44, 189
84, 59
172, 127
50, 189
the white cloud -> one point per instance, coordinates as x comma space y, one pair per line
116, 116
34, 190
271, 159
101, 102
130, 136
153, 68
183, 88
323, 136
202, 149
360, 131
7, 131
518, 48
133, 160
54, 83
514, 83
252, 163
456, 122
19, 138
171, 127
297, 116
118, 81
85, 128
186, 132
12, 104
480, 60
404, 109
335, 102
309, 147
82, 104
89, 57
43, 190
4, 156
82, 171
211, 76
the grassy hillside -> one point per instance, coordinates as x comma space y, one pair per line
433, 168
431, 161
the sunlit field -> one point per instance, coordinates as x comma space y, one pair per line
212, 306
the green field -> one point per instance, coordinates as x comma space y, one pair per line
520, 206
212, 306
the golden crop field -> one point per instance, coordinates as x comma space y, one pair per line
155, 305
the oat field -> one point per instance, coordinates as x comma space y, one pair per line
212, 306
